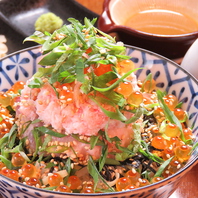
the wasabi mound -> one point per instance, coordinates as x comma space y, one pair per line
48, 22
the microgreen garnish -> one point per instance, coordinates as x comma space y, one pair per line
49, 132
35, 83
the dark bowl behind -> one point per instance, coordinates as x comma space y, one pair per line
172, 47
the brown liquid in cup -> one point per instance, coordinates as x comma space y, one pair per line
162, 22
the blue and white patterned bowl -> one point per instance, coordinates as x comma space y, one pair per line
169, 76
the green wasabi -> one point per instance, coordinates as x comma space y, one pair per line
48, 22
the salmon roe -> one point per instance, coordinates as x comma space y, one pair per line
28, 170
149, 86
122, 183
18, 160
125, 88
54, 179
102, 69
180, 114
74, 182
171, 101
63, 188
158, 142
172, 130
33, 181
16, 87
135, 98
133, 175
12, 174
125, 66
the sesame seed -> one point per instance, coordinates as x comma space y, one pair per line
178, 166
65, 88
52, 154
133, 170
69, 144
168, 155
87, 147
88, 139
37, 186
81, 137
50, 174
56, 167
167, 172
72, 165
140, 180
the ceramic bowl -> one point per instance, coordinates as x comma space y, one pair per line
169, 76
117, 12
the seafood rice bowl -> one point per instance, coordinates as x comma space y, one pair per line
85, 123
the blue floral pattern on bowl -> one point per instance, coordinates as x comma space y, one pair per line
169, 76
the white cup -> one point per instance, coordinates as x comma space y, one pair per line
190, 60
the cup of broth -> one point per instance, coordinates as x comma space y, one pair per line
162, 26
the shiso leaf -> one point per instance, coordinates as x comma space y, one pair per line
162, 167
49, 132
50, 59
103, 157
80, 70
93, 141
6, 162
38, 142
93, 171
37, 37
66, 77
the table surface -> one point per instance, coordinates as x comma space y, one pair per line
188, 187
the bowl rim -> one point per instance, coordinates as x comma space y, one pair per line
112, 26
183, 170
126, 45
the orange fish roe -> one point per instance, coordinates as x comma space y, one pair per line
18, 160
102, 69
54, 179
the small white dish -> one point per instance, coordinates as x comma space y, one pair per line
190, 60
